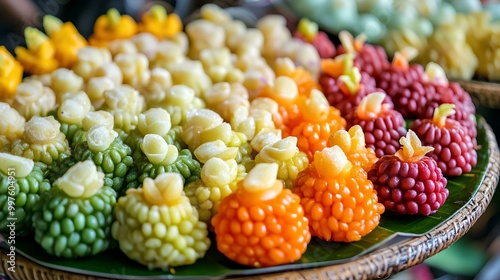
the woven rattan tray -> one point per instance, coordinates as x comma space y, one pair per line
379, 263
486, 94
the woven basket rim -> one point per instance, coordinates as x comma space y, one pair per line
379, 263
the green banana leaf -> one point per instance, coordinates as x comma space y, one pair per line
114, 264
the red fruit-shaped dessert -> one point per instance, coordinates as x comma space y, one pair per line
307, 31
368, 58
409, 182
382, 126
343, 85
400, 74
453, 147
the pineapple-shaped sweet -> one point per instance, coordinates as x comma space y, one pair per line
338, 199
382, 126
286, 154
454, 149
73, 219
21, 184
319, 121
157, 226
261, 224
352, 142
41, 141
219, 177
409, 182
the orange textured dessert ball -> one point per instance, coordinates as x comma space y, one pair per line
338, 199
261, 224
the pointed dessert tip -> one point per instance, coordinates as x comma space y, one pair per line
401, 59
166, 189
308, 29
215, 149
82, 180
51, 24
217, 172
442, 112
34, 38
340, 138
113, 17
371, 105
158, 12
331, 162
18, 167
411, 148
351, 80
347, 40
261, 178
158, 151
435, 74
339, 65
359, 41
41, 130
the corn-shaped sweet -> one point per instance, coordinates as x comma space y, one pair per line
157, 22
66, 38
191, 73
157, 226
73, 219
89, 59
338, 199
319, 121
21, 184
33, 99
125, 104
39, 56
353, 144
178, 101
71, 114
63, 81
219, 66
285, 153
112, 26
261, 224
157, 87
134, 68
11, 74
42, 141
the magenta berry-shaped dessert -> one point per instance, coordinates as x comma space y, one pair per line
382, 125
409, 182
368, 58
307, 31
344, 86
400, 74
453, 148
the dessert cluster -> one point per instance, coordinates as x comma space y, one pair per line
151, 134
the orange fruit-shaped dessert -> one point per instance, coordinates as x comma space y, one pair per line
261, 224
338, 199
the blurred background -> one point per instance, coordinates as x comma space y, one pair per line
477, 254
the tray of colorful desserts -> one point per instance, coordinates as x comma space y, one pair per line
459, 35
154, 150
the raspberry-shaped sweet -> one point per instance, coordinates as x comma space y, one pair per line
319, 121
453, 148
346, 91
108, 152
368, 58
409, 182
400, 74
41, 141
261, 224
286, 154
353, 144
21, 184
157, 227
382, 126
338, 199
307, 31
73, 219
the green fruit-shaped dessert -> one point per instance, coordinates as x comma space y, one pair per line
157, 226
21, 184
74, 218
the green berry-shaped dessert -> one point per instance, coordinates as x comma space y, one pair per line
108, 152
74, 218
158, 157
157, 226
21, 184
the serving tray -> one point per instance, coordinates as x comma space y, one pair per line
396, 244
